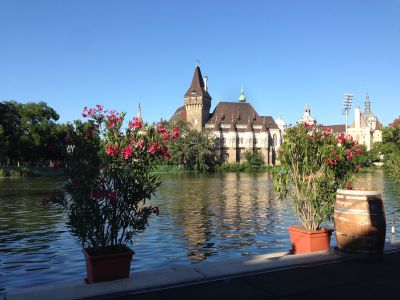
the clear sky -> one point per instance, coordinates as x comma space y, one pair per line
285, 53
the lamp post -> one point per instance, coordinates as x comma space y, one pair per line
347, 103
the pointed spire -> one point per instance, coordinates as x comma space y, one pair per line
139, 113
242, 97
367, 104
197, 87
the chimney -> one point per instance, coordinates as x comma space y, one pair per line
205, 78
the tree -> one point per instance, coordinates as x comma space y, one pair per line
193, 150
254, 161
390, 148
29, 133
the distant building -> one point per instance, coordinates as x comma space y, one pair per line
307, 118
366, 129
235, 126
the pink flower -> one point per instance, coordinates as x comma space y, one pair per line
99, 107
112, 150
160, 128
349, 186
359, 151
136, 124
154, 148
126, 152
357, 168
341, 138
111, 125
349, 154
176, 133
141, 144
165, 136
84, 115
166, 153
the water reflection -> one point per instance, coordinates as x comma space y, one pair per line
203, 217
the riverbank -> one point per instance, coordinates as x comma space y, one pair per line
327, 275
14, 171
223, 168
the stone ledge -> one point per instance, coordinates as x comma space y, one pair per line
182, 275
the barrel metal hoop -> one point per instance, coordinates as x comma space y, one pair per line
365, 237
353, 211
352, 197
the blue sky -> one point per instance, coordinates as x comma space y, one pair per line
285, 53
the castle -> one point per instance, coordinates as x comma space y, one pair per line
236, 126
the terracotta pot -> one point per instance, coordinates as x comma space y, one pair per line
304, 241
109, 263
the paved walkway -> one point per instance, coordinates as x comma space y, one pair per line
321, 275
350, 279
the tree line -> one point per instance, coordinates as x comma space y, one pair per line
30, 136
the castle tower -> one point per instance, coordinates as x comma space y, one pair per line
197, 102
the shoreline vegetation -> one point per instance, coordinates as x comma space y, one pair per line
44, 151
18, 172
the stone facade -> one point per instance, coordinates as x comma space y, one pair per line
366, 128
236, 127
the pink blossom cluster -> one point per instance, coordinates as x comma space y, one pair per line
113, 118
112, 150
92, 111
136, 124
395, 123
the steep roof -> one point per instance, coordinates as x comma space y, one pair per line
197, 86
179, 114
336, 128
239, 113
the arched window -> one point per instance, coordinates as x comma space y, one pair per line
275, 139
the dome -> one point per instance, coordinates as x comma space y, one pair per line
280, 122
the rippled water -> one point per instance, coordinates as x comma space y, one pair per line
203, 217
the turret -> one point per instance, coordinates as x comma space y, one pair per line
197, 101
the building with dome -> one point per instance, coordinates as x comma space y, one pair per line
366, 128
236, 126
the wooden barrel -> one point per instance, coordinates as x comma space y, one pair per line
360, 222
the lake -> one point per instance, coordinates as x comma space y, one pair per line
202, 217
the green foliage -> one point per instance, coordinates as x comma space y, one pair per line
230, 167
169, 169
366, 158
390, 148
29, 134
194, 150
110, 180
254, 161
314, 164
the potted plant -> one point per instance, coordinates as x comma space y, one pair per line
315, 162
109, 181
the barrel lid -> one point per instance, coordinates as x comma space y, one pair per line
359, 192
